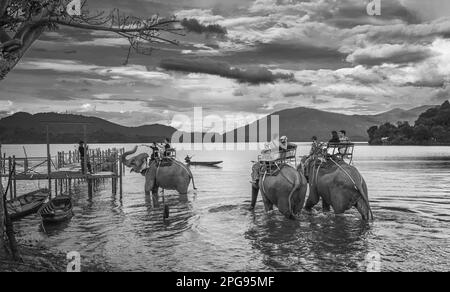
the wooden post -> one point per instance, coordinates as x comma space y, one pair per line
1, 160
86, 154
14, 181
9, 172
49, 164
120, 179
90, 187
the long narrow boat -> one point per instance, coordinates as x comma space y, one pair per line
58, 210
210, 163
27, 204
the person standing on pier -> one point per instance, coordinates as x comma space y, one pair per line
82, 149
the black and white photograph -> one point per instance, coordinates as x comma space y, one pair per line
254, 137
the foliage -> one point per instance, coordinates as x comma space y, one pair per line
432, 127
22, 22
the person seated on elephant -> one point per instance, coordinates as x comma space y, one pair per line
155, 152
167, 147
272, 146
316, 146
316, 149
343, 137
285, 145
343, 140
334, 138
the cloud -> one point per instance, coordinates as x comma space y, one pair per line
192, 25
386, 53
67, 66
254, 75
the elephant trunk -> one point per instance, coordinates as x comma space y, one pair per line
126, 162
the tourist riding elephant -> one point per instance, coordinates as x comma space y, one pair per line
287, 190
340, 186
168, 174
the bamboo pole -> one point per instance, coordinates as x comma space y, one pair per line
10, 171
14, 181
49, 164
120, 178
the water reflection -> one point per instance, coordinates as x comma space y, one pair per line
409, 190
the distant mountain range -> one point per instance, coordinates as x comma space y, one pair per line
24, 128
298, 124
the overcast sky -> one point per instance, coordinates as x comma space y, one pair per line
277, 54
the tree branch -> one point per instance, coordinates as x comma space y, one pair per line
153, 27
3, 6
4, 37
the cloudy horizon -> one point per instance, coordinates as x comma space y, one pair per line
243, 57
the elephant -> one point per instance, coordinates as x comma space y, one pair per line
136, 163
175, 176
168, 174
287, 190
339, 184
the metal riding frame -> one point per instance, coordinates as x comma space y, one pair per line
341, 151
271, 162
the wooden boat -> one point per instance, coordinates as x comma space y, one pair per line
205, 163
59, 209
27, 204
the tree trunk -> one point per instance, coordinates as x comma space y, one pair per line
7, 238
2, 223
9, 59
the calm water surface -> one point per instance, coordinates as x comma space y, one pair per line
409, 189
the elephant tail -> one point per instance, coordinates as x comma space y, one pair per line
364, 194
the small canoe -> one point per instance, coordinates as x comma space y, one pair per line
58, 210
211, 163
27, 204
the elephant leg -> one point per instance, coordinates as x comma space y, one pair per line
255, 192
313, 198
267, 204
301, 198
155, 196
362, 209
339, 201
325, 206
283, 207
149, 185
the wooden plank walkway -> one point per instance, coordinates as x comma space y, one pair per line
65, 170
63, 175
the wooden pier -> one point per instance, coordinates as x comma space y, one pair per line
65, 169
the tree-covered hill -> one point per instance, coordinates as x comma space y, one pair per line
431, 128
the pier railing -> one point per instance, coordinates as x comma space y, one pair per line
66, 169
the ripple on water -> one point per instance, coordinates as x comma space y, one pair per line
213, 230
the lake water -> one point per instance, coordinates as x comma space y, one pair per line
212, 230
